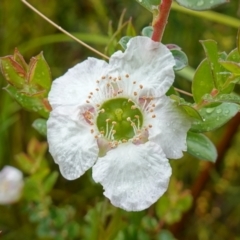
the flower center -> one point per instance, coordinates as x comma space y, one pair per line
119, 119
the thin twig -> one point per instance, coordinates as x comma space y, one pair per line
183, 92
64, 31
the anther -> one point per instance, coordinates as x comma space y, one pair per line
97, 89
153, 116
150, 126
91, 93
133, 107
87, 101
103, 77
92, 131
141, 86
97, 81
135, 93
134, 82
126, 75
110, 77
136, 116
119, 78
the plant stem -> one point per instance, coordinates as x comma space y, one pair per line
160, 21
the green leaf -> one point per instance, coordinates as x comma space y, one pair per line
39, 76
191, 111
41, 126
187, 107
201, 147
180, 58
123, 41
202, 81
12, 71
214, 117
234, 98
211, 51
30, 103
147, 31
49, 182
25, 163
150, 5
200, 5
233, 67
234, 56
165, 235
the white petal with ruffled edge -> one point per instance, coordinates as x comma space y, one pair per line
169, 127
147, 62
74, 86
71, 144
133, 176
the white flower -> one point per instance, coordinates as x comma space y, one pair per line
11, 185
116, 118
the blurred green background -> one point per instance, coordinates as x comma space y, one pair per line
54, 208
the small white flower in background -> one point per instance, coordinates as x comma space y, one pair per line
11, 185
116, 118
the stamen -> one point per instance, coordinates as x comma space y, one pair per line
135, 93
153, 116
127, 76
141, 86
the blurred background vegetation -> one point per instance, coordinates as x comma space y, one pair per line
202, 201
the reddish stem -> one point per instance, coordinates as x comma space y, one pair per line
161, 20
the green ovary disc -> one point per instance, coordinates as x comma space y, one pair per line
120, 114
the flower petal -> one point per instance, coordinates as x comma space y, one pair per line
170, 127
133, 176
71, 144
74, 86
147, 62
11, 185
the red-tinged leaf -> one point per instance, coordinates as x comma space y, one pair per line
20, 60
39, 77
12, 71
30, 103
